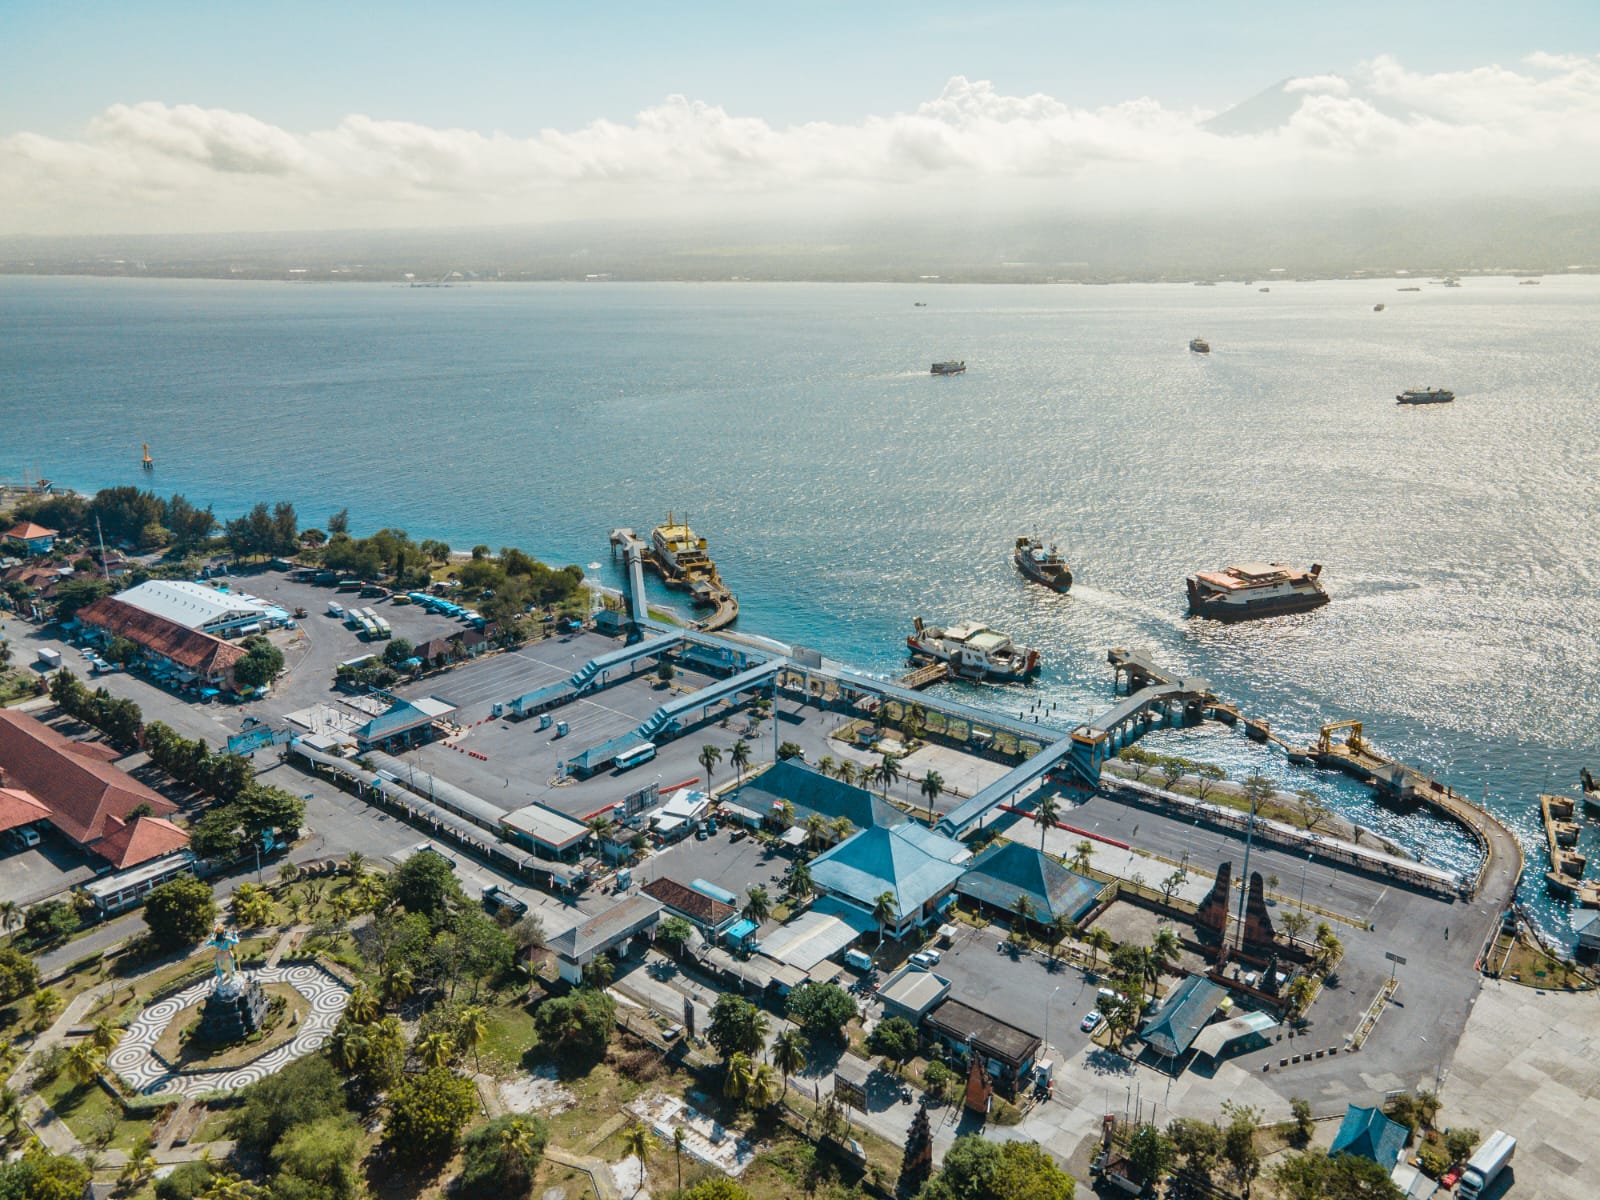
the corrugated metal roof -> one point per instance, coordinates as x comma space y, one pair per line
193, 605
1172, 1028
809, 791
1367, 1133
1006, 870
875, 861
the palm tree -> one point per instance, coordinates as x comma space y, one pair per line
289, 872
868, 777
140, 1166
888, 772
783, 813
84, 1061
46, 1004
1081, 854
349, 1045
252, 906
710, 756
883, 912
1058, 931
10, 915
789, 1052
739, 757
766, 1089
355, 864
841, 828
1098, 941
931, 787
816, 830
11, 1111
825, 764
637, 1141
396, 984
758, 907
362, 1007
678, 1139
847, 771
436, 1049
105, 1036
1302, 989
1023, 907
741, 1073
1164, 947
1044, 815
472, 1028
800, 884
1294, 923
599, 973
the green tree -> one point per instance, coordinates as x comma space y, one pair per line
1294, 923
85, 1062
885, 909
1198, 1142
675, 931
49, 921
1045, 814
10, 915
179, 912
1240, 1155
821, 1009
19, 976
427, 1113
1206, 778
718, 1187
709, 756
318, 1157
738, 1076
888, 772
757, 907
800, 883
1151, 1151
1459, 1143
1081, 855
1304, 1126
1172, 769
931, 787
41, 1175
737, 1026
187, 1180
789, 1052
978, 1169
45, 1007
398, 651
577, 1027
788, 750
638, 1141
1314, 1176
426, 884
500, 1158
1099, 942
739, 758
895, 1039
261, 662
308, 1089
435, 1049
253, 906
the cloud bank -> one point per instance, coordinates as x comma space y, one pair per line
151, 167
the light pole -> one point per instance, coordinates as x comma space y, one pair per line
1303, 871
1047, 1001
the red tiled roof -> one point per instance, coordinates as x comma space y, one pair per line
27, 531
79, 791
199, 652
139, 841
99, 751
692, 904
18, 808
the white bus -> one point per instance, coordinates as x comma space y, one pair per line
640, 754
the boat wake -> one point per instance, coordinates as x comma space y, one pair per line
1126, 606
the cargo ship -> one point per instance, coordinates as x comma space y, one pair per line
974, 651
1041, 564
1425, 396
949, 368
1252, 590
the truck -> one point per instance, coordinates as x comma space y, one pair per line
858, 960
497, 900
1486, 1164
49, 659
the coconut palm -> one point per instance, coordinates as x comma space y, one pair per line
740, 1075
816, 830
84, 1061
10, 915
289, 872
1098, 941
436, 1049
1081, 854
884, 912
931, 787
1058, 931
1164, 947
766, 1088
800, 883
1023, 907
637, 1141
11, 1114
888, 772
1044, 815
396, 984
105, 1036
758, 907
600, 972
349, 1045
678, 1139
847, 771
139, 1167
252, 906
362, 1007
783, 814
789, 1052
46, 1004
867, 777
1302, 990
841, 828
825, 764
739, 757
710, 756
355, 864
472, 1027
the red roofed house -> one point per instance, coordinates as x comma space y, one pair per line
18, 810
36, 538
194, 656
84, 797
139, 841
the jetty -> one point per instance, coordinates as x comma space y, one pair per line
1567, 865
678, 556
924, 674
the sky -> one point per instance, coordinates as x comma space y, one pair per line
151, 116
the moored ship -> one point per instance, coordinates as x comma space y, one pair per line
680, 554
1200, 345
974, 651
1252, 590
1425, 396
1591, 793
1042, 564
949, 368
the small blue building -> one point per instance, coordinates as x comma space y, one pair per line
36, 539
1367, 1133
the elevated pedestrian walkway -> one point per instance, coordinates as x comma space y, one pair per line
592, 676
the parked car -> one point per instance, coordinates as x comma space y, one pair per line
1091, 1021
496, 899
926, 960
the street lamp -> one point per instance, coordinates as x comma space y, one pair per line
1047, 1001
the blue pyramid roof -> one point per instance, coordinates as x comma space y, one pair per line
1006, 870
1367, 1133
1172, 1028
915, 866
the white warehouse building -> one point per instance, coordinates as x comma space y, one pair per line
207, 609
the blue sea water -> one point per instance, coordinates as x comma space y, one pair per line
844, 490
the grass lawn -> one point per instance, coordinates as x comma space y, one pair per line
90, 1112
511, 1034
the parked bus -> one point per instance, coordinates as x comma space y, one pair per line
635, 757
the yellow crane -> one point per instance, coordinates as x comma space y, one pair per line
1354, 742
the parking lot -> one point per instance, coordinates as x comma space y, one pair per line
734, 865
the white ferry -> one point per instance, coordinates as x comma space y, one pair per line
1252, 590
974, 651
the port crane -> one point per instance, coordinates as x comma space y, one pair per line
1354, 742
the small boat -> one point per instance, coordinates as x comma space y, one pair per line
1263, 289
1377, 308
1041, 564
1527, 283
1425, 396
1410, 289
1200, 345
974, 651
949, 368
920, 304
1252, 590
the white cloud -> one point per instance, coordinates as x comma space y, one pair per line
158, 167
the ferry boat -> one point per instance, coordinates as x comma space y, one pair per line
1425, 396
949, 368
680, 553
974, 651
1251, 590
1377, 308
1200, 345
1041, 564
1408, 289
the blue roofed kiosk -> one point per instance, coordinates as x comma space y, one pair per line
1367, 1133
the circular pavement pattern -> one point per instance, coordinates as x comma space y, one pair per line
134, 1059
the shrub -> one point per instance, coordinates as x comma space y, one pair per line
501, 1157
186, 1181
427, 1113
